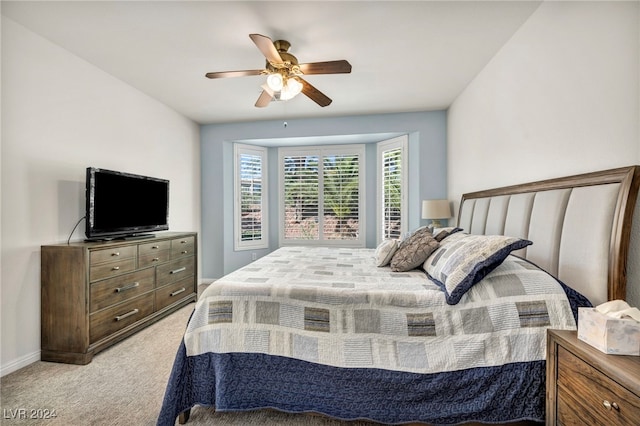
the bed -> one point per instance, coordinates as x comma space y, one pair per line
457, 336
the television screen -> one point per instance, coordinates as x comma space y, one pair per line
123, 204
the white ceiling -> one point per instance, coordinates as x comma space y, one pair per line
406, 56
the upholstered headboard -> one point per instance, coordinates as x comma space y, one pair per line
580, 226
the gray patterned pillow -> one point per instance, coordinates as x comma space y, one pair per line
414, 250
462, 260
385, 252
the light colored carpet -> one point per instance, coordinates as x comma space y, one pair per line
123, 385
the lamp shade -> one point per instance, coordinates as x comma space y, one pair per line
436, 209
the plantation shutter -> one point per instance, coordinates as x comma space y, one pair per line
250, 197
322, 195
341, 196
301, 182
250, 208
391, 193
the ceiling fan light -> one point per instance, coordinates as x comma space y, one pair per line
286, 94
290, 89
295, 86
274, 81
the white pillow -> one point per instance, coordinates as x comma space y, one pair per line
385, 252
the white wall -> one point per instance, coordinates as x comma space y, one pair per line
61, 114
561, 97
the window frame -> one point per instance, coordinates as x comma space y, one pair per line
263, 242
401, 143
322, 152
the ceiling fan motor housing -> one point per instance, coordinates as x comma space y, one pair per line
282, 45
289, 65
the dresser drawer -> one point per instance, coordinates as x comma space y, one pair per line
173, 293
116, 290
181, 247
111, 269
591, 396
108, 321
571, 412
153, 259
151, 254
156, 246
112, 254
174, 271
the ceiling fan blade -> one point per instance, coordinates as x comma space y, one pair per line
225, 74
329, 67
265, 44
265, 97
314, 94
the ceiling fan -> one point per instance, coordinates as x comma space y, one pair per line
284, 73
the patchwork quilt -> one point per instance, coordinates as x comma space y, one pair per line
333, 306
324, 330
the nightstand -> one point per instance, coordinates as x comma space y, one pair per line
588, 387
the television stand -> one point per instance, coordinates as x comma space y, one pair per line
96, 294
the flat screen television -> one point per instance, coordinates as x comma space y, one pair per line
124, 205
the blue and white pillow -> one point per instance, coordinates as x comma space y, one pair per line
462, 260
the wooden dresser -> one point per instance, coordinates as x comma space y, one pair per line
95, 294
588, 387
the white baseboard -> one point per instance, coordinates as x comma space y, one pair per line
19, 363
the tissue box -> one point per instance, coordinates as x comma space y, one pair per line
609, 335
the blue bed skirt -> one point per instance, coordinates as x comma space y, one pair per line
250, 381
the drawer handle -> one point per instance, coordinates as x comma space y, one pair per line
175, 271
609, 405
155, 259
115, 268
184, 252
155, 247
115, 253
183, 242
127, 287
128, 314
175, 293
